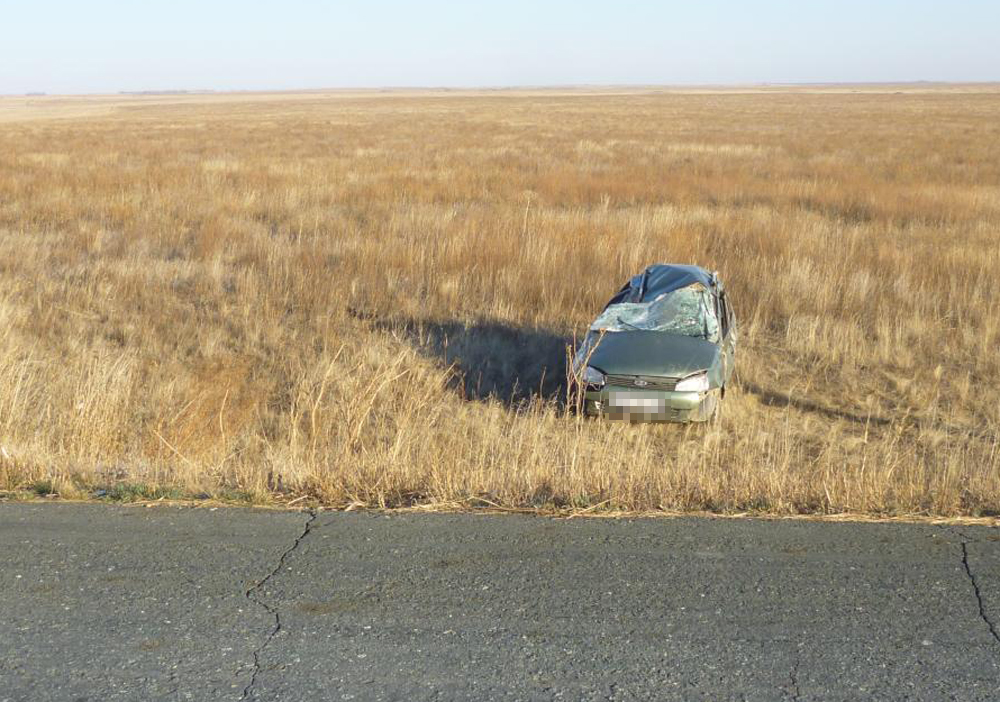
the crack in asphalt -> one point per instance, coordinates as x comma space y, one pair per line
251, 594
793, 676
975, 587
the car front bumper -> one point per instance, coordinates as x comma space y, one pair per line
634, 405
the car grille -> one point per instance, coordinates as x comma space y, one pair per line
646, 382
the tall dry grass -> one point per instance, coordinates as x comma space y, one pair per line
367, 298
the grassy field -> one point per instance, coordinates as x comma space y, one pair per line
367, 297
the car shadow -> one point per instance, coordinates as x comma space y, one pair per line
512, 364
772, 398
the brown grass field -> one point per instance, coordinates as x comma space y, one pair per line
365, 298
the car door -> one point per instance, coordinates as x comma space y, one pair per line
728, 337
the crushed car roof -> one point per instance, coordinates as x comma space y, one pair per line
661, 278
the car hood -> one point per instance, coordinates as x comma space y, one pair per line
652, 353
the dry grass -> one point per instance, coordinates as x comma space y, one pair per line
366, 298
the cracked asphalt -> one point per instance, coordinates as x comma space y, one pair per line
101, 602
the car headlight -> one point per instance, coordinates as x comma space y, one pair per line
592, 376
693, 383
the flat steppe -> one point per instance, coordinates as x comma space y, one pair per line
366, 297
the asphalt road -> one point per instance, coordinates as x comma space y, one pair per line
129, 603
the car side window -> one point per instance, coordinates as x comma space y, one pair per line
724, 315
730, 316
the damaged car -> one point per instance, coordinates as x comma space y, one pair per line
662, 350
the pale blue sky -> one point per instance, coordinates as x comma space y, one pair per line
84, 46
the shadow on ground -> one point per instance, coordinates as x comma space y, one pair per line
773, 398
510, 363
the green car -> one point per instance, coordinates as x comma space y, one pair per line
662, 350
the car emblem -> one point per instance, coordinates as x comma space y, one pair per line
639, 382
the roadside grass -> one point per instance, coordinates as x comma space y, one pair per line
131, 492
136, 493
366, 301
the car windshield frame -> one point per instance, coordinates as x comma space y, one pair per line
688, 311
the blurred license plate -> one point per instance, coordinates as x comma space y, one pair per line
630, 401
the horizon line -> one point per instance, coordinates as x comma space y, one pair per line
504, 87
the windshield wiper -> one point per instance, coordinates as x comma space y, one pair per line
622, 321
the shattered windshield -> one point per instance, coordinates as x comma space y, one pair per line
688, 311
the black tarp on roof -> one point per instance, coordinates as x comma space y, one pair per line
658, 279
